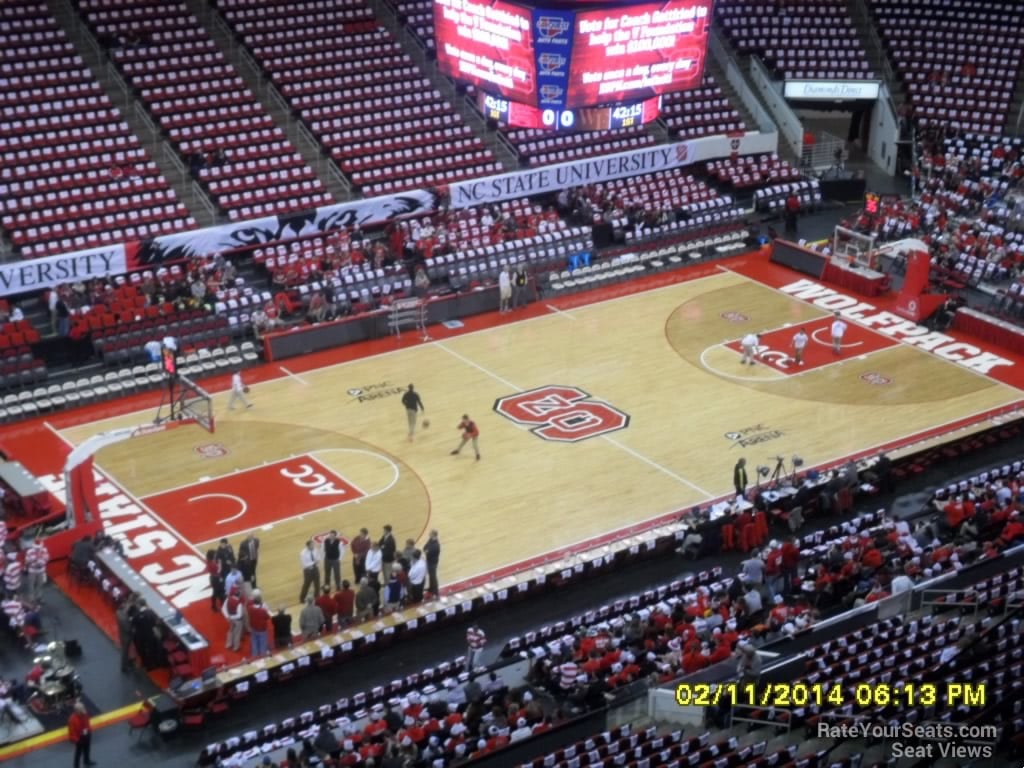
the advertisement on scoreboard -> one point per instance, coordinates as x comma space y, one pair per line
559, 58
488, 44
638, 50
553, 51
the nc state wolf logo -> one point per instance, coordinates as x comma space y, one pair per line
562, 414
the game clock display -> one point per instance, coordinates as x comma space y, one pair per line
567, 58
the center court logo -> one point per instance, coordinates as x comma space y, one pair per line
562, 414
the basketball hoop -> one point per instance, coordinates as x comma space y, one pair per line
188, 402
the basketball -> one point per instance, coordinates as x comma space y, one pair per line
245, 390
426, 423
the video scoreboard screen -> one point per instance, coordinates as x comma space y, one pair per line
570, 57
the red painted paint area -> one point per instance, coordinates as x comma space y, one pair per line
252, 498
878, 313
776, 347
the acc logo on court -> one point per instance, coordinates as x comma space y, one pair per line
562, 414
212, 450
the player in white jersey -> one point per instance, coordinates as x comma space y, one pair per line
749, 343
799, 345
838, 331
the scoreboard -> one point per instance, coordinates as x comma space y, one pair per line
561, 60
517, 115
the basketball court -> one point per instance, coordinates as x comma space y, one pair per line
594, 418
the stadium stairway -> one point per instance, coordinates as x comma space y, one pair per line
1017, 106
386, 17
713, 67
878, 57
198, 204
271, 100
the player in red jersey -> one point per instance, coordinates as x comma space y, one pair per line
470, 431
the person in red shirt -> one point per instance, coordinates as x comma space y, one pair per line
326, 604
954, 512
80, 733
721, 651
359, 547
470, 431
790, 561
872, 559
593, 664
344, 602
1013, 530
259, 626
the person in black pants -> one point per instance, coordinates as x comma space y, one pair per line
388, 550
80, 733
432, 554
739, 477
332, 559
282, 624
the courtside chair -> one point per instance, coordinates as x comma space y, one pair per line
112, 383
56, 396
98, 387
70, 391
39, 395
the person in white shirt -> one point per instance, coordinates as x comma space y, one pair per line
238, 390
233, 610
838, 331
309, 559
749, 344
504, 289
36, 559
374, 562
901, 583
799, 345
417, 576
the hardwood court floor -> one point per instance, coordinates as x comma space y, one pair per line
658, 357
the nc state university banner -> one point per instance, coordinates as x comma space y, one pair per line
36, 274
552, 178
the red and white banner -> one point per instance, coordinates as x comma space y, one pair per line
37, 274
552, 178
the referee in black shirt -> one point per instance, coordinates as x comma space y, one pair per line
413, 405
